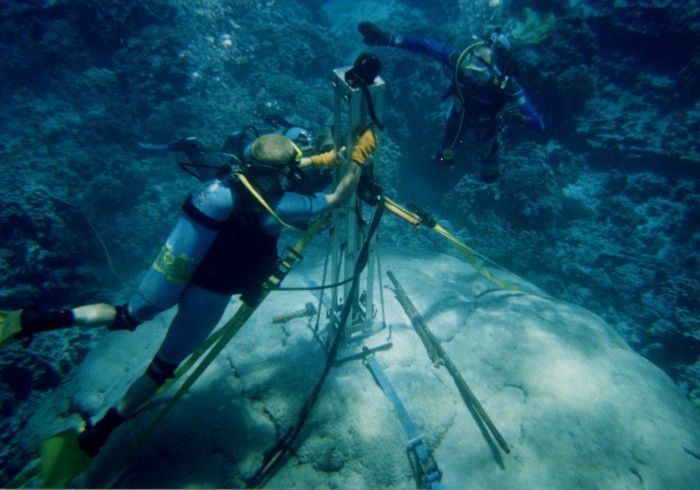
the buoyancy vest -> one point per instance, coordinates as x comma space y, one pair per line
478, 86
242, 255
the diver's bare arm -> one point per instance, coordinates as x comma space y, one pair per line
97, 315
345, 187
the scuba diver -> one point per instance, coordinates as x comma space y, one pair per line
485, 93
224, 243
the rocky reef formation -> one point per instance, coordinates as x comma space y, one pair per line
573, 404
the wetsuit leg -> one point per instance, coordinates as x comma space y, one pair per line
199, 310
451, 139
456, 130
488, 154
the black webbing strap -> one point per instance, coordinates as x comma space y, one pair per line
198, 216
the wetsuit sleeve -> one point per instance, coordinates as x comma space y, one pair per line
296, 209
299, 208
533, 119
418, 44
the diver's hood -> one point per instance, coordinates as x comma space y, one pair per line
271, 149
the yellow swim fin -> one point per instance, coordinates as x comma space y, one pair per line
62, 459
9, 327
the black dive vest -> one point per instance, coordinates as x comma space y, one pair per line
481, 101
482, 104
242, 255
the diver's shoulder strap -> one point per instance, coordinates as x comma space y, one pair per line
258, 197
198, 216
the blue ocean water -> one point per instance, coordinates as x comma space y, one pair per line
602, 209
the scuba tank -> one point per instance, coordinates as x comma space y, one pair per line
205, 213
205, 248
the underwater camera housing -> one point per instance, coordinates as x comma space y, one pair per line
362, 74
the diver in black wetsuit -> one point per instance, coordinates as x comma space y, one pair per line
485, 93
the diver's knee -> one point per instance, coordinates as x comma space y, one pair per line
160, 371
123, 320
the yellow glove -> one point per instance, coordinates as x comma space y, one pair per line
327, 159
364, 146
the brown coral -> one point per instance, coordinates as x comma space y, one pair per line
576, 86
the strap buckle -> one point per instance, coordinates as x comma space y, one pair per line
424, 216
284, 265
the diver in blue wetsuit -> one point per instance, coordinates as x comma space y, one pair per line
224, 243
485, 93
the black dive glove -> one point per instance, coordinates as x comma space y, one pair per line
373, 35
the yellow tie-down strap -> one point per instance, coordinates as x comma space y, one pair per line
418, 218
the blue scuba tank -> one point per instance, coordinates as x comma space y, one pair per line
204, 214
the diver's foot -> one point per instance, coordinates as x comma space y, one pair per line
95, 436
